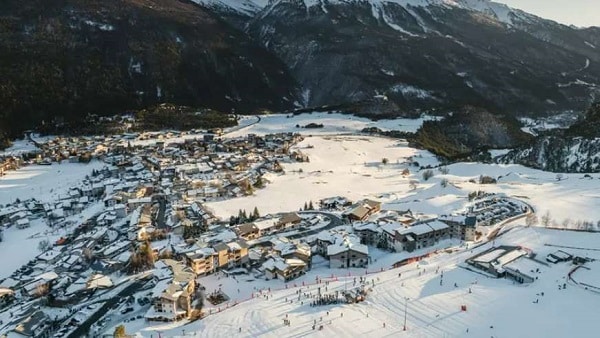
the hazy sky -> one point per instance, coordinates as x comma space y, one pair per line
571, 12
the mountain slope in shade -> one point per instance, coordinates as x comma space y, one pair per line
65, 58
427, 53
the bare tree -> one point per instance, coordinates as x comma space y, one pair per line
44, 245
444, 170
413, 185
88, 254
531, 220
546, 219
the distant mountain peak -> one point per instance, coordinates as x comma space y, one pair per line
500, 12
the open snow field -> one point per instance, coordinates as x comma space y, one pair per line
350, 165
44, 182
334, 123
339, 165
495, 307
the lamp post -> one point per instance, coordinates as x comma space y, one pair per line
405, 311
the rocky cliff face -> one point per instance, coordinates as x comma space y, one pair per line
424, 54
65, 58
576, 149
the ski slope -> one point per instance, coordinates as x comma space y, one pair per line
495, 307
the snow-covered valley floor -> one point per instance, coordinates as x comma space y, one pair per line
351, 166
345, 163
44, 182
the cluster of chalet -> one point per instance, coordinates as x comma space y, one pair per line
269, 226
72, 270
75, 200
403, 231
8, 163
21, 214
75, 149
75, 267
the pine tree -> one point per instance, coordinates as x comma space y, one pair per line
255, 213
259, 182
305, 206
244, 216
310, 206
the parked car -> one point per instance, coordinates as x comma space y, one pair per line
126, 310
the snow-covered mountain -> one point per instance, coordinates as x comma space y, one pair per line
386, 56
246, 7
576, 149
451, 52
499, 11
559, 155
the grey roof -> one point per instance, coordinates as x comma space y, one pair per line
220, 247
29, 324
290, 217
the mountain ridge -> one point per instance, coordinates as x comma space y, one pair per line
68, 58
507, 49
